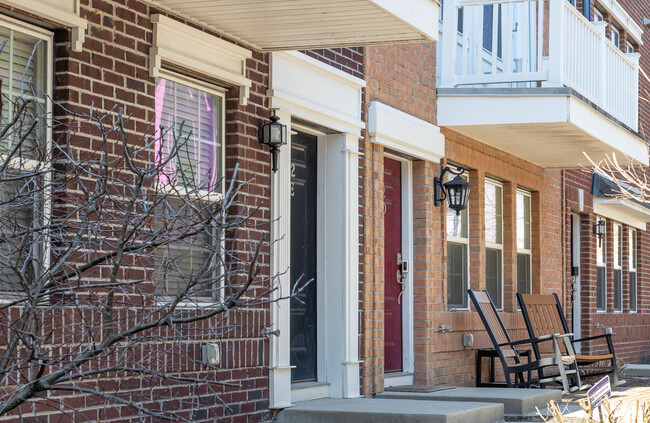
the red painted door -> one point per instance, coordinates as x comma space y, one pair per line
392, 248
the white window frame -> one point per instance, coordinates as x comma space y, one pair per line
617, 251
527, 251
464, 241
615, 36
600, 251
200, 194
598, 16
633, 248
28, 164
494, 246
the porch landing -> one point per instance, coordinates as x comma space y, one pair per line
515, 401
638, 370
366, 410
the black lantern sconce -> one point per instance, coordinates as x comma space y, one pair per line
274, 135
455, 191
599, 230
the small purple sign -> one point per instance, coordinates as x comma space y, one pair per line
601, 390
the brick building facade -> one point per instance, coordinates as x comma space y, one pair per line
356, 114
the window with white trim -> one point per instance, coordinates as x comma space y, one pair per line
26, 78
524, 253
615, 36
457, 259
601, 272
598, 16
633, 251
494, 241
618, 267
189, 116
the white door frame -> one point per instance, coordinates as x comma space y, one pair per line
577, 306
406, 377
306, 89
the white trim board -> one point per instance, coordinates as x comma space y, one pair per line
404, 133
189, 48
316, 92
63, 12
621, 16
624, 211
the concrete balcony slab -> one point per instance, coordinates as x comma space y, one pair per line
366, 410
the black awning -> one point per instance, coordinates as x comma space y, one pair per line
603, 187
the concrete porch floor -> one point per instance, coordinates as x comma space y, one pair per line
367, 410
515, 401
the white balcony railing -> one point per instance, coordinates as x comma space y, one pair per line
537, 43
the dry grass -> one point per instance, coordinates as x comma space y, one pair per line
612, 412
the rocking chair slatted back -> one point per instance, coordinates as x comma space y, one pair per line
544, 318
491, 318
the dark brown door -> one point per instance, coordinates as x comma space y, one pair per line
303, 256
392, 253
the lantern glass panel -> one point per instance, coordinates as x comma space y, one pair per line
276, 134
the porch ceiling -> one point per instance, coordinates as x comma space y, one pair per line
551, 130
272, 25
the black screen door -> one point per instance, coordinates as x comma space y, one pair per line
303, 256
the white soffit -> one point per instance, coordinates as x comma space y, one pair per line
60, 12
180, 45
623, 210
553, 131
273, 25
402, 132
313, 91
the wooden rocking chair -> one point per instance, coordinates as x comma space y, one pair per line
517, 373
543, 315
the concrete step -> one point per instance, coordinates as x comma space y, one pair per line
366, 410
515, 401
638, 370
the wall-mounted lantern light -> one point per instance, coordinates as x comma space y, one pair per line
455, 191
273, 134
599, 230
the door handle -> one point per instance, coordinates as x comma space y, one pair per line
402, 273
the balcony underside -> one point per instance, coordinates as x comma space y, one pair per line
272, 25
549, 127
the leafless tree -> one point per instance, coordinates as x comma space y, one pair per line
632, 181
113, 270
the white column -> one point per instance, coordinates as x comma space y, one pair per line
633, 115
279, 363
601, 78
342, 249
448, 43
556, 43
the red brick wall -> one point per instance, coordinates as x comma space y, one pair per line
403, 77
113, 69
456, 363
632, 340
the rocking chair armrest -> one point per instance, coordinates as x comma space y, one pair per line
537, 339
590, 338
